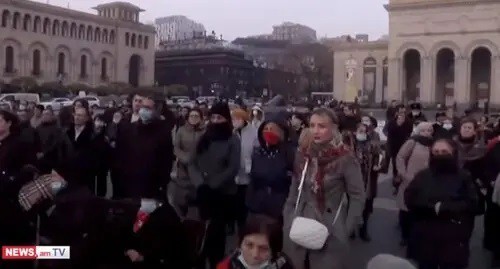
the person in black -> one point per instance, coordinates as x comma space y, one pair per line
143, 156
416, 116
398, 131
14, 155
443, 201
80, 133
102, 152
443, 128
349, 119
391, 110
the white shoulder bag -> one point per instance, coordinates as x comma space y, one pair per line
306, 232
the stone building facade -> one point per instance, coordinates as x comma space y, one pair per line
443, 51
54, 44
360, 70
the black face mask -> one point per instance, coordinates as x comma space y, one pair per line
467, 140
443, 164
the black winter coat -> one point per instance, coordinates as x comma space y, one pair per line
82, 163
442, 238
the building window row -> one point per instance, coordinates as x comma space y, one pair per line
56, 27
139, 41
9, 64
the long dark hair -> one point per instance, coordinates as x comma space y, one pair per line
13, 119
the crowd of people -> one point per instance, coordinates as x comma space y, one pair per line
298, 187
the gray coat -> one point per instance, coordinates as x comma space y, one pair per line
343, 177
249, 141
218, 165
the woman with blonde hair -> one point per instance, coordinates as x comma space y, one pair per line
327, 172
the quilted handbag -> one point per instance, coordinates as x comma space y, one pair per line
306, 232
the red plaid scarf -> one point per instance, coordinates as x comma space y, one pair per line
38, 190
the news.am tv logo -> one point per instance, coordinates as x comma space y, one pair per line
35, 252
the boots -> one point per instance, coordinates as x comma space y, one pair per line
363, 233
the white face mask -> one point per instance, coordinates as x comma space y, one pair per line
367, 123
415, 112
447, 125
246, 265
255, 112
361, 137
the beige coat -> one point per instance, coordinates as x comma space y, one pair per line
411, 159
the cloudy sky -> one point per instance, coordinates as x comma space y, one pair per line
234, 18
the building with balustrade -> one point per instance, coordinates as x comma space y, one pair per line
55, 44
437, 51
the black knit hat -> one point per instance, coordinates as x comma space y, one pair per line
221, 109
416, 106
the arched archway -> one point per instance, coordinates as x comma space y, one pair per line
26, 22
411, 75
55, 27
83, 67
132, 40
5, 18
369, 80
112, 37
9, 60
104, 69
385, 76
480, 76
134, 67
73, 30
61, 64
81, 32
16, 20
65, 29
37, 24
445, 76
36, 62
46, 26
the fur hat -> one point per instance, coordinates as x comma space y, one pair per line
221, 109
240, 114
387, 261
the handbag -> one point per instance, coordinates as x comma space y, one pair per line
306, 232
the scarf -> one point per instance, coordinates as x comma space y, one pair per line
325, 154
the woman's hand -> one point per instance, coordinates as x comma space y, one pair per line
134, 256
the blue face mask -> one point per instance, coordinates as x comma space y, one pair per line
145, 114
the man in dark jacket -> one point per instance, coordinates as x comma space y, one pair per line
443, 128
144, 156
398, 131
416, 116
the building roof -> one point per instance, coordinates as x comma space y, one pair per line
79, 15
119, 4
371, 45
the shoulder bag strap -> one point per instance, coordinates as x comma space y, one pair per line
301, 184
337, 214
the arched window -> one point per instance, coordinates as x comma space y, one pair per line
9, 60
81, 32
5, 18
46, 26
97, 35
72, 31
26, 22
104, 69
37, 24
139, 41
36, 62
132, 41
146, 42
16, 20
55, 28
83, 66
127, 39
112, 37
65, 28
105, 36
61, 62
90, 32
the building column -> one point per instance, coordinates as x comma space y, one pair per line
495, 81
394, 83
426, 80
461, 90
379, 82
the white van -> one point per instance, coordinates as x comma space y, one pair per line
27, 97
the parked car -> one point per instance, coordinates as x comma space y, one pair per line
57, 103
92, 100
27, 97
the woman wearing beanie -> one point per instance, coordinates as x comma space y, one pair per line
248, 139
215, 166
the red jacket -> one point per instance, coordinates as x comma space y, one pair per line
225, 264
